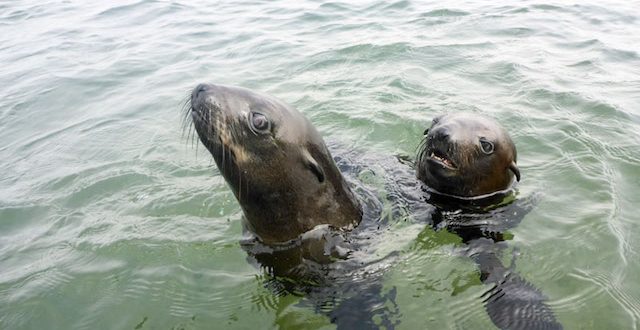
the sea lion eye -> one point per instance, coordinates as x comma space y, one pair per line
486, 146
259, 122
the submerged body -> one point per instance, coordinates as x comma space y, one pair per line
274, 160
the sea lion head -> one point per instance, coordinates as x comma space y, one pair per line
274, 161
467, 155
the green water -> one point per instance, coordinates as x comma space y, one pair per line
109, 218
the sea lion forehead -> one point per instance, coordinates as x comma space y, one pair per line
242, 100
289, 124
466, 125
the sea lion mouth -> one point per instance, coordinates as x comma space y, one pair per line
439, 157
203, 124
197, 116
215, 137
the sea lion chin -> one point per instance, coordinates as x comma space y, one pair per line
274, 161
467, 155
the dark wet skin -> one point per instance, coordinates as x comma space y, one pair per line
466, 155
275, 162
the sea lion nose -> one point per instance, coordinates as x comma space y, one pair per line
442, 134
198, 93
199, 89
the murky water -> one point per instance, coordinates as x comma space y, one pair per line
109, 218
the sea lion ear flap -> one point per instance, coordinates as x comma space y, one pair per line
313, 166
514, 168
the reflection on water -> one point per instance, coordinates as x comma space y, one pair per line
107, 216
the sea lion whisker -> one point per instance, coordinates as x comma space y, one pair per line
186, 112
186, 124
224, 157
239, 182
186, 107
189, 135
190, 138
194, 138
186, 101
196, 148
422, 150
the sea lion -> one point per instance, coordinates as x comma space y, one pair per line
466, 155
274, 160
468, 163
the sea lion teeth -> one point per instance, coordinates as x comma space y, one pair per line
441, 159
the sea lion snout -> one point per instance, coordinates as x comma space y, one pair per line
441, 134
199, 89
199, 95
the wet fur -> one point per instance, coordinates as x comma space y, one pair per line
284, 178
457, 138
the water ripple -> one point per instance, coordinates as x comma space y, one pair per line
613, 287
106, 217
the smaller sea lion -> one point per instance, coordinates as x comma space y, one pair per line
274, 160
468, 162
466, 155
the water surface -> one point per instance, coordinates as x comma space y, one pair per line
109, 218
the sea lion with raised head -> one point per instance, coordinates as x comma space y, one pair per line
274, 160
467, 155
